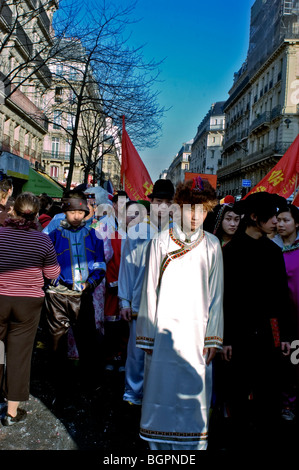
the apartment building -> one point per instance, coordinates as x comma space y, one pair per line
207, 144
180, 164
25, 37
97, 146
109, 165
60, 103
261, 112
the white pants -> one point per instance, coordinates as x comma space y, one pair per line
201, 445
134, 369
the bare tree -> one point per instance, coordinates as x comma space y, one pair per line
20, 25
106, 78
113, 80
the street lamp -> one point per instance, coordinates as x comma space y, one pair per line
288, 122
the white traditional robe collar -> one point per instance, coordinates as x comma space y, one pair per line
180, 235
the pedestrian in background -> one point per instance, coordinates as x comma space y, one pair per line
6, 190
46, 203
69, 301
256, 322
287, 239
26, 255
223, 222
131, 274
116, 329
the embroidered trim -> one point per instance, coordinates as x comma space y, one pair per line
275, 331
143, 340
182, 244
213, 340
290, 247
174, 436
177, 253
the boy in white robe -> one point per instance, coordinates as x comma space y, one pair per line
180, 326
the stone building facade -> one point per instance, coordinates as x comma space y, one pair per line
207, 144
25, 36
180, 164
261, 112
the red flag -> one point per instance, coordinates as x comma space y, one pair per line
137, 181
296, 200
282, 179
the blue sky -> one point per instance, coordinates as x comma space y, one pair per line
203, 43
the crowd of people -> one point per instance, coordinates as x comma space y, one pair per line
195, 300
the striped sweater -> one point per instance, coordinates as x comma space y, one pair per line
26, 257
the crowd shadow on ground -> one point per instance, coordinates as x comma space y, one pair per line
100, 420
96, 419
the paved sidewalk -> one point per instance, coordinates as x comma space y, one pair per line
41, 430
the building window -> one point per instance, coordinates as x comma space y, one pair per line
54, 171
72, 97
58, 94
59, 70
57, 120
55, 146
72, 74
67, 149
70, 121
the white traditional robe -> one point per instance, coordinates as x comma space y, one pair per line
181, 312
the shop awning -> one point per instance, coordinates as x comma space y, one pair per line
13, 165
41, 183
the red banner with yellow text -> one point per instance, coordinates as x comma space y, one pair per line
134, 175
283, 177
212, 179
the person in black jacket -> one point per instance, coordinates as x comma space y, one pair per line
256, 319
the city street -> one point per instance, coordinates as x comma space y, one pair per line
100, 420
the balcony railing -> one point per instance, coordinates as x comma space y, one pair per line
238, 137
16, 147
29, 108
230, 168
5, 13
209, 128
59, 156
276, 112
5, 143
44, 17
276, 149
42, 68
261, 120
23, 39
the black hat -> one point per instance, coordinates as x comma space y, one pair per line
74, 204
262, 203
163, 189
118, 194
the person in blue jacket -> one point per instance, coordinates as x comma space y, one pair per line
68, 302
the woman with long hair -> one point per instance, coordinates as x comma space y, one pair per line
223, 222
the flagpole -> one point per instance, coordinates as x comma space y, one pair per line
295, 190
123, 182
